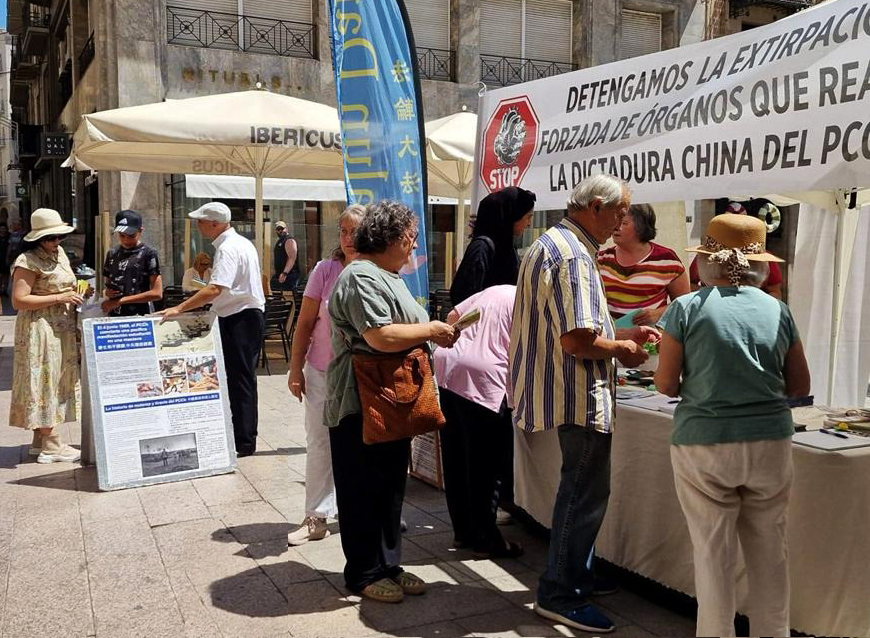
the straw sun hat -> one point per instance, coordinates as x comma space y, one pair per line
735, 240
45, 221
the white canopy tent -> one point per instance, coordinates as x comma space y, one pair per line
450, 146
253, 133
826, 291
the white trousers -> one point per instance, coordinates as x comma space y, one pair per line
319, 487
732, 491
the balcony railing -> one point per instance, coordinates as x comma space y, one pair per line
36, 17
497, 70
211, 29
436, 64
86, 56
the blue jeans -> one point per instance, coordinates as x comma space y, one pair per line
577, 515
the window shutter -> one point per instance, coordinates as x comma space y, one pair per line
548, 30
430, 21
501, 30
291, 10
641, 33
221, 6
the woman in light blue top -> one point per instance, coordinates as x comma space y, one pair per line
733, 354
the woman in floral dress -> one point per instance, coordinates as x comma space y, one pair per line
45, 368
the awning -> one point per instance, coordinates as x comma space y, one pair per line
241, 187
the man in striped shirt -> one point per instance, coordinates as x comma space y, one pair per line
563, 345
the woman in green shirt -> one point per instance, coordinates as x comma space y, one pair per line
372, 311
733, 354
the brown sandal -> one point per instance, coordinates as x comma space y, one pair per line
384, 591
410, 584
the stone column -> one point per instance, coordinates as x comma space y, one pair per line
602, 29
465, 43
581, 35
132, 79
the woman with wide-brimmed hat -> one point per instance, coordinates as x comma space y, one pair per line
45, 368
733, 353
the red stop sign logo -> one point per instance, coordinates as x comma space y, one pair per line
509, 142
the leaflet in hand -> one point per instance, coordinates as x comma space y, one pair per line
468, 319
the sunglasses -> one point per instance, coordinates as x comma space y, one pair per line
53, 237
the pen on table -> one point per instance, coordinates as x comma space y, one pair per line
832, 433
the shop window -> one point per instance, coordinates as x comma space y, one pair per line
303, 221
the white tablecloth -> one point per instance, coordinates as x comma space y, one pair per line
645, 531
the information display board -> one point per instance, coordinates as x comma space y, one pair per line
158, 399
426, 459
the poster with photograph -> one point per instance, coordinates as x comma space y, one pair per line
158, 399
426, 459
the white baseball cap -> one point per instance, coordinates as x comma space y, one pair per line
213, 212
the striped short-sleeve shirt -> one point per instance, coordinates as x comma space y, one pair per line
560, 290
641, 285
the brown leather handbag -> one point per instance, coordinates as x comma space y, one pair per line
398, 395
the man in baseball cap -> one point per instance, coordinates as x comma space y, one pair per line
131, 270
284, 252
128, 222
235, 292
213, 212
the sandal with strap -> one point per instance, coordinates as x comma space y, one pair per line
510, 549
410, 584
384, 590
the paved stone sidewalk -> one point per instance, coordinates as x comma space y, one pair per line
209, 557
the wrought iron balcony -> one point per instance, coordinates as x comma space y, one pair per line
86, 56
211, 29
34, 16
36, 21
436, 64
738, 8
497, 70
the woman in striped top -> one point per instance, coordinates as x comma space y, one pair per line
638, 274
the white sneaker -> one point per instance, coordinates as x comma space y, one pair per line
312, 529
65, 454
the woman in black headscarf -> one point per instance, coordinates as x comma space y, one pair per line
491, 259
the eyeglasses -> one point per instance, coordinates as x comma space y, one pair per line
52, 237
415, 236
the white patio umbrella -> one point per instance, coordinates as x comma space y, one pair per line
450, 144
253, 133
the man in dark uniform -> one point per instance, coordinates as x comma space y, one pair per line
286, 274
131, 271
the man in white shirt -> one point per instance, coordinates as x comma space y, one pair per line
235, 292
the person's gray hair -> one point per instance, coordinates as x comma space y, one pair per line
608, 188
755, 276
354, 212
383, 225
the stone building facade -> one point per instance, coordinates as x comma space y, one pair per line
72, 57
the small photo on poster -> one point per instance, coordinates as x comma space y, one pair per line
202, 375
174, 385
172, 367
183, 336
168, 454
148, 390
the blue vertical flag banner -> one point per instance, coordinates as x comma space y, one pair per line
379, 102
